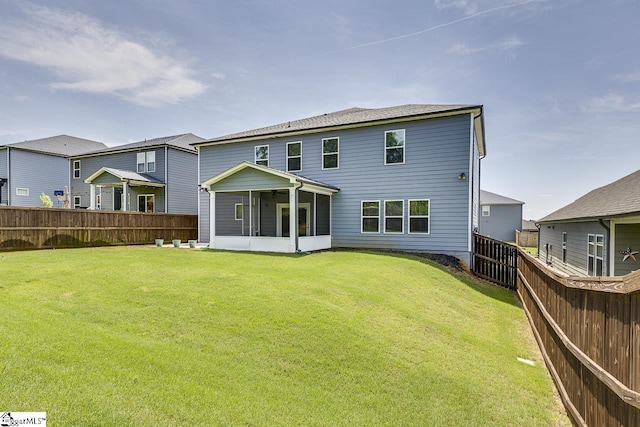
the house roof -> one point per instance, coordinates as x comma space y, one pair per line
182, 141
128, 176
528, 225
488, 198
621, 197
60, 145
354, 117
287, 175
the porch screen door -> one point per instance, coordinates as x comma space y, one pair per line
283, 220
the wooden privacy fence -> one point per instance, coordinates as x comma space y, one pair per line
495, 261
35, 228
588, 330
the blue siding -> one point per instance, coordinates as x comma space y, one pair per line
4, 173
40, 173
437, 151
502, 222
182, 182
550, 242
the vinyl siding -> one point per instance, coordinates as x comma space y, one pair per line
123, 161
4, 173
627, 236
182, 182
577, 246
40, 173
436, 152
502, 222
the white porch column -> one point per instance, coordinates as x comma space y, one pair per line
212, 219
125, 196
92, 196
293, 223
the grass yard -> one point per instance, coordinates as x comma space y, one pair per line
161, 336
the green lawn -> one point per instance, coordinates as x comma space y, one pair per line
164, 336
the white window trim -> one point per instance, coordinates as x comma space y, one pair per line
293, 157
78, 169
143, 162
409, 216
384, 221
337, 153
145, 202
25, 192
488, 212
404, 147
235, 211
255, 154
362, 217
595, 253
564, 247
147, 158
79, 202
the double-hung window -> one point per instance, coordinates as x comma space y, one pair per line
262, 155
330, 152
394, 147
564, 247
370, 217
151, 161
419, 213
595, 250
394, 216
140, 163
294, 156
486, 210
76, 169
77, 202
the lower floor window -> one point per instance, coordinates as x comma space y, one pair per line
419, 213
146, 203
393, 216
370, 217
595, 250
77, 202
22, 191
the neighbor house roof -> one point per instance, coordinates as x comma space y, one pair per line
126, 176
528, 225
60, 145
621, 197
355, 117
182, 141
488, 198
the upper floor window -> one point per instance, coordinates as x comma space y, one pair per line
394, 147
370, 217
294, 156
151, 161
262, 155
146, 162
486, 210
330, 149
76, 169
419, 213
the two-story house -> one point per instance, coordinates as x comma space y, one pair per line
30, 168
404, 177
501, 216
155, 175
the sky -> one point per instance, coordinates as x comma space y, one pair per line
559, 79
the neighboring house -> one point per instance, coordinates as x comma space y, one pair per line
30, 168
528, 235
403, 178
598, 234
156, 175
500, 217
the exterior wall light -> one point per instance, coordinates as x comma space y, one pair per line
462, 177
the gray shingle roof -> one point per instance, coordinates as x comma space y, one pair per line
621, 197
131, 175
488, 198
60, 145
183, 141
528, 225
351, 116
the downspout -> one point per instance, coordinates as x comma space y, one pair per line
606, 248
8, 176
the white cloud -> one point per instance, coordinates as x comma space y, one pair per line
611, 102
89, 57
506, 44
